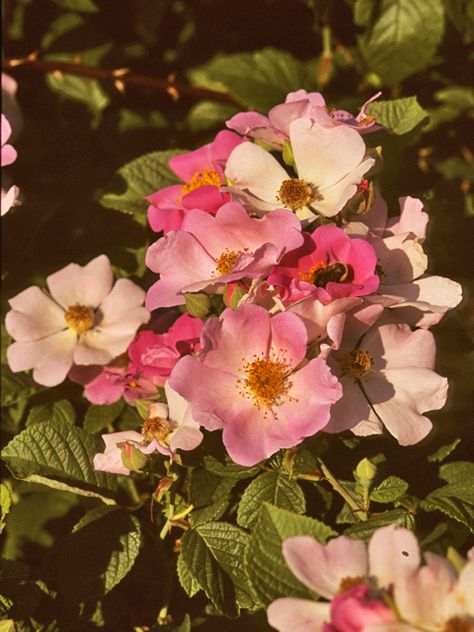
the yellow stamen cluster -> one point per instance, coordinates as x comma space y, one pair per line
200, 179
350, 582
226, 262
296, 194
155, 428
79, 318
267, 381
310, 274
458, 624
357, 364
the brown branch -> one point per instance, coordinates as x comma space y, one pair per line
121, 78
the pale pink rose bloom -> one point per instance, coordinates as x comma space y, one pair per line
247, 381
274, 128
435, 598
202, 173
392, 368
8, 156
327, 569
169, 427
215, 251
330, 265
412, 296
330, 163
83, 320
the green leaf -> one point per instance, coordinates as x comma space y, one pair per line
59, 455
461, 13
62, 410
364, 530
98, 418
269, 575
456, 167
229, 469
82, 89
400, 115
63, 24
185, 625
5, 504
457, 471
272, 487
190, 585
213, 554
209, 494
401, 36
444, 451
455, 500
459, 97
389, 490
258, 80
84, 6
101, 550
142, 176
209, 114
198, 304
16, 387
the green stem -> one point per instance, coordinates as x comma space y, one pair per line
340, 489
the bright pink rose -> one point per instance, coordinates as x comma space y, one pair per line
354, 609
202, 173
329, 266
247, 380
210, 252
84, 320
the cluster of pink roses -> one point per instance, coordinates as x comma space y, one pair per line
328, 300
381, 587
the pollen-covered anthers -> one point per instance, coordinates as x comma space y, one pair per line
349, 582
458, 624
79, 318
156, 428
322, 273
367, 120
296, 194
226, 262
357, 364
200, 179
267, 381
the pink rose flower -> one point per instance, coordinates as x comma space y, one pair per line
168, 428
83, 320
330, 163
202, 173
250, 380
151, 358
329, 266
215, 251
341, 571
388, 380
274, 128
8, 156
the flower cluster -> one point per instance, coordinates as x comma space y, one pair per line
381, 587
314, 302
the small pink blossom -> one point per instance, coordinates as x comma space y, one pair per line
82, 320
202, 174
9, 196
210, 252
329, 266
330, 163
250, 379
168, 428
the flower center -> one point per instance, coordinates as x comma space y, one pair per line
155, 428
266, 382
456, 624
226, 262
349, 582
357, 364
296, 193
200, 179
321, 273
79, 318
